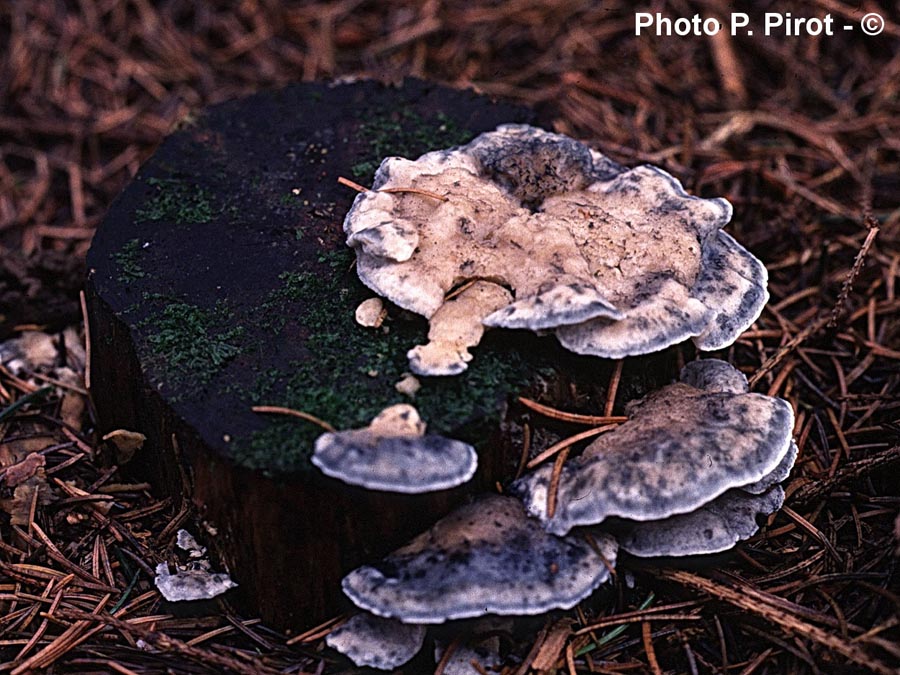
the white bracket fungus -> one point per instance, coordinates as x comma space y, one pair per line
191, 584
485, 558
194, 581
373, 641
455, 327
681, 448
615, 261
394, 454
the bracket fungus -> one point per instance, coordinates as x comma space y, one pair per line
193, 581
615, 261
460, 661
487, 557
394, 454
714, 527
373, 641
681, 448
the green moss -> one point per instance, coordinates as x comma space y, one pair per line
191, 344
350, 373
128, 263
295, 287
405, 134
178, 202
288, 199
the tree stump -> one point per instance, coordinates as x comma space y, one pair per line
220, 280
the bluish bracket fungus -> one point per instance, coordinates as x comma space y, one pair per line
375, 642
714, 527
394, 454
481, 647
681, 448
487, 557
614, 261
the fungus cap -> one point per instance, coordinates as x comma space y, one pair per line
681, 448
374, 642
714, 527
394, 454
191, 584
485, 558
615, 261
714, 375
778, 474
459, 662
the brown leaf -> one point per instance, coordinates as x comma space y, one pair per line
19, 473
13, 452
72, 409
126, 443
19, 506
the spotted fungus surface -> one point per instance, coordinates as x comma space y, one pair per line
374, 642
714, 527
614, 261
681, 448
394, 454
487, 557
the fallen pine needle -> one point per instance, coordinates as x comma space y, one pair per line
575, 418
568, 442
553, 488
648, 648
417, 191
350, 184
771, 608
319, 631
615, 632
278, 410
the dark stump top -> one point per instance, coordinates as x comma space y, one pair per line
225, 257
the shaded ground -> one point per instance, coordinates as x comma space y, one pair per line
802, 134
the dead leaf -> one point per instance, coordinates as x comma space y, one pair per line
13, 452
126, 444
32, 351
19, 506
19, 473
72, 409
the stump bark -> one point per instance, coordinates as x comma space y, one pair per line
220, 280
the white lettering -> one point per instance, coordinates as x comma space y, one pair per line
739, 20
773, 20
642, 20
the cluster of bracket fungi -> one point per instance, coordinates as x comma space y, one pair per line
525, 229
